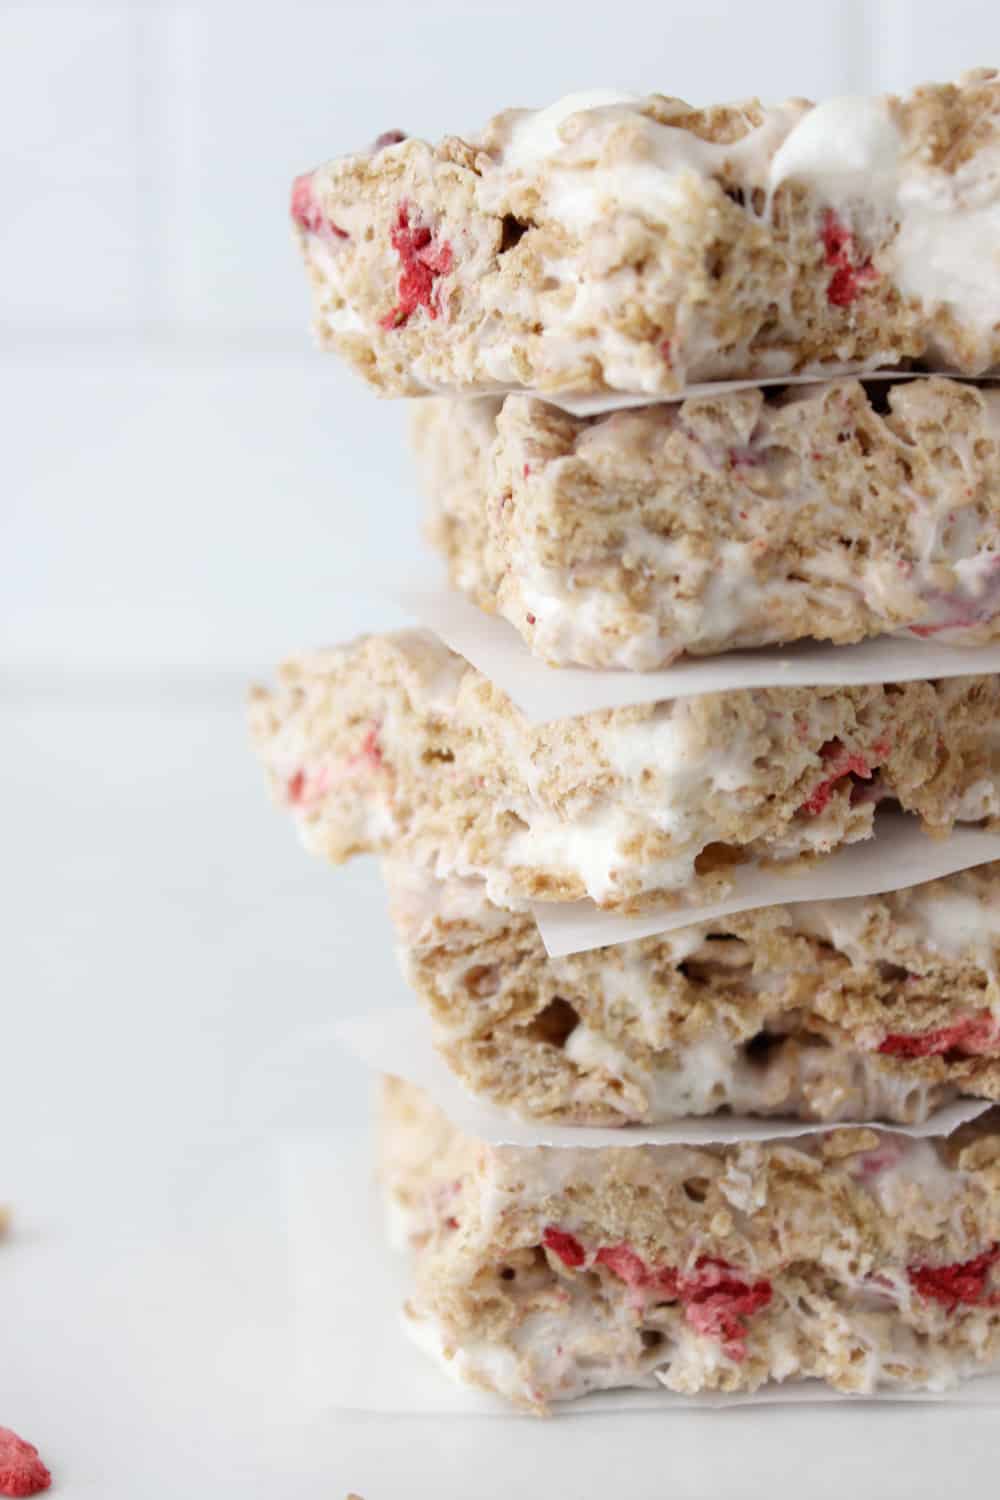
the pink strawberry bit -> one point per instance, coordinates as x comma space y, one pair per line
886, 1155
666, 349
295, 787
21, 1470
565, 1245
307, 213
745, 458
718, 1302
305, 787
975, 1036
841, 763
961, 1283
370, 748
632, 1269
370, 756
422, 262
849, 275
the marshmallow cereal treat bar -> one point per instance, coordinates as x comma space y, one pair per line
877, 1008
395, 744
859, 1258
743, 518
612, 243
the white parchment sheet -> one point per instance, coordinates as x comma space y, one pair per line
544, 693
595, 404
399, 1042
347, 1287
899, 855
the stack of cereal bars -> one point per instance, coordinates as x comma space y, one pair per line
702, 380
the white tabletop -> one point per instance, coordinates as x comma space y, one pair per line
167, 941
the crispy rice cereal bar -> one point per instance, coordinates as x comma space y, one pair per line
610, 243
740, 519
394, 743
883, 1007
858, 1258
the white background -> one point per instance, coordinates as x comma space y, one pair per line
189, 492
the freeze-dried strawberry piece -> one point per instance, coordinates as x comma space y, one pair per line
388, 138
961, 1282
841, 763
566, 1246
371, 750
307, 213
422, 262
848, 273
718, 1302
21, 1470
295, 787
973, 1037
886, 1155
630, 1267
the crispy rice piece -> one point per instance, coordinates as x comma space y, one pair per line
618, 244
395, 744
858, 1258
873, 1008
739, 519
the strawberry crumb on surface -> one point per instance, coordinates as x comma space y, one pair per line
972, 1037
421, 262
961, 1283
21, 1470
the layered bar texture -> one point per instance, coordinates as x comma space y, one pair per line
858, 1258
395, 744
740, 519
876, 1008
610, 243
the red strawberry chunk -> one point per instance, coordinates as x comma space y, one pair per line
566, 1246
421, 262
306, 211
973, 1037
961, 1282
632, 1269
21, 1470
848, 273
717, 1301
841, 763
296, 786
